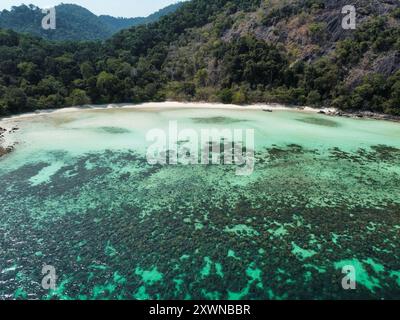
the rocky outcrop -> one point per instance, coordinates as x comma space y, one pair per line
387, 64
4, 151
6, 148
362, 114
288, 22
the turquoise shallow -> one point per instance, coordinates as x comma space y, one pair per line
78, 194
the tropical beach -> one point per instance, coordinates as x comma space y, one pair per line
200, 157
79, 194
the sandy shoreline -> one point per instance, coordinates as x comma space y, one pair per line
168, 105
9, 125
204, 105
11, 122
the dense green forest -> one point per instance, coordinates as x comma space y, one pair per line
230, 51
73, 22
117, 24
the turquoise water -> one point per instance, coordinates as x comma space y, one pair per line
78, 194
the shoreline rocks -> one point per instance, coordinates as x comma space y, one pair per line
6, 148
362, 115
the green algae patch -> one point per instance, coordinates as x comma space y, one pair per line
235, 296
242, 230
178, 285
307, 276
113, 130
377, 267
317, 268
209, 267
320, 122
149, 277
215, 295
110, 250
232, 254
279, 232
335, 238
184, 257
98, 267
9, 269
255, 279
254, 273
217, 120
206, 270
101, 291
20, 294
218, 270
302, 254
118, 278
396, 275
141, 294
60, 291
198, 226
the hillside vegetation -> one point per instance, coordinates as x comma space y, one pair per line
117, 24
73, 22
230, 51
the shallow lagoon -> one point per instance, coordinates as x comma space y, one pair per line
78, 194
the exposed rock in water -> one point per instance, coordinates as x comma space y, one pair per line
363, 114
5, 147
4, 151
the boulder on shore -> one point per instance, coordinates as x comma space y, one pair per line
4, 151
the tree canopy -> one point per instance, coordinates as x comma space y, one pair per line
190, 54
